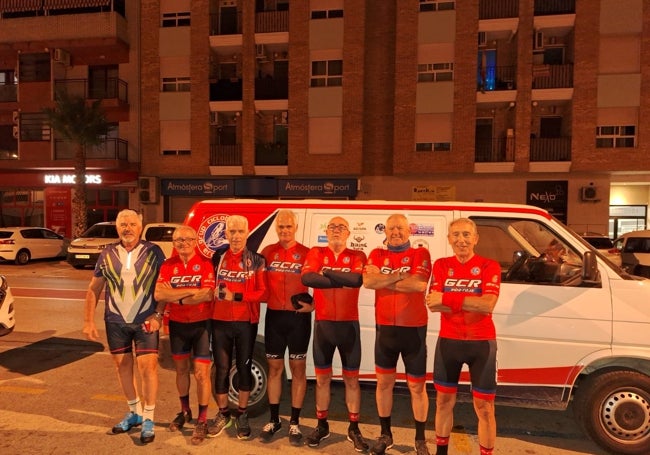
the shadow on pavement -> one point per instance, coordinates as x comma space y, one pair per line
47, 354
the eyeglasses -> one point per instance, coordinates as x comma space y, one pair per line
182, 240
337, 227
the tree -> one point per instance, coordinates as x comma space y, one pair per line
85, 125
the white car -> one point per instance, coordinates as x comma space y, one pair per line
634, 248
22, 244
7, 321
85, 250
161, 234
604, 245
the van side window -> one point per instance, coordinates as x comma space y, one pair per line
528, 252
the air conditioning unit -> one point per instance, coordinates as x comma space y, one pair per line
148, 190
482, 39
61, 56
589, 194
538, 40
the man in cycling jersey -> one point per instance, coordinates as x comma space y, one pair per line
464, 290
286, 327
241, 287
399, 275
128, 270
334, 272
186, 285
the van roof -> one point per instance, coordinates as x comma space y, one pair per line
373, 204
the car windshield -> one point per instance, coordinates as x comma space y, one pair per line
637, 245
601, 243
159, 234
104, 231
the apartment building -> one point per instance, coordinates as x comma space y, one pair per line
531, 101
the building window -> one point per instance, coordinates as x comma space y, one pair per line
327, 14
176, 152
180, 19
34, 67
433, 147
435, 72
616, 136
437, 5
34, 127
327, 73
176, 84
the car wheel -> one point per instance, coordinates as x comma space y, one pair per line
613, 409
23, 257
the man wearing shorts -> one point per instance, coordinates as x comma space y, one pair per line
334, 272
286, 327
399, 275
186, 285
129, 270
465, 289
241, 286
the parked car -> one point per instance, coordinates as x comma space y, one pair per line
85, 250
7, 321
604, 245
22, 244
161, 234
635, 252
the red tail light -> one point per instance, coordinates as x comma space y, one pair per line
614, 251
7, 242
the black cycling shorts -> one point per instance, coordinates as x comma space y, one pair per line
287, 329
233, 338
187, 338
341, 335
409, 342
122, 336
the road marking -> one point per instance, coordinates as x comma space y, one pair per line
27, 390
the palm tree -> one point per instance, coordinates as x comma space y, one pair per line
84, 125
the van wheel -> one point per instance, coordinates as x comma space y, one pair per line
23, 257
614, 410
257, 403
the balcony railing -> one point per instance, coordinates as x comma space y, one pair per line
549, 7
497, 78
490, 9
8, 93
29, 8
552, 76
226, 23
271, 21
271, 154
499, 150
268, 88
226, 90
550, 149
225, 155
111, 88
110, 149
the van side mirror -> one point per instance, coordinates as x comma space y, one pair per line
590, 274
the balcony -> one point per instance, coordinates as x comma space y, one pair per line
497, 78
552, 76
550, 149
498, 150
490, 9
271, 154
269, 88
271, 21
225, 155
226, 23
550, 7
8, 93
111, 88
226, 90
110, 149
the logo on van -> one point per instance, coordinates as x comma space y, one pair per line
212, 234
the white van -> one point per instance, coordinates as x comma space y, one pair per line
161, 234
576, 331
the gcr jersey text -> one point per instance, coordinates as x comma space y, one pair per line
285, 266
462, 283
186, 280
